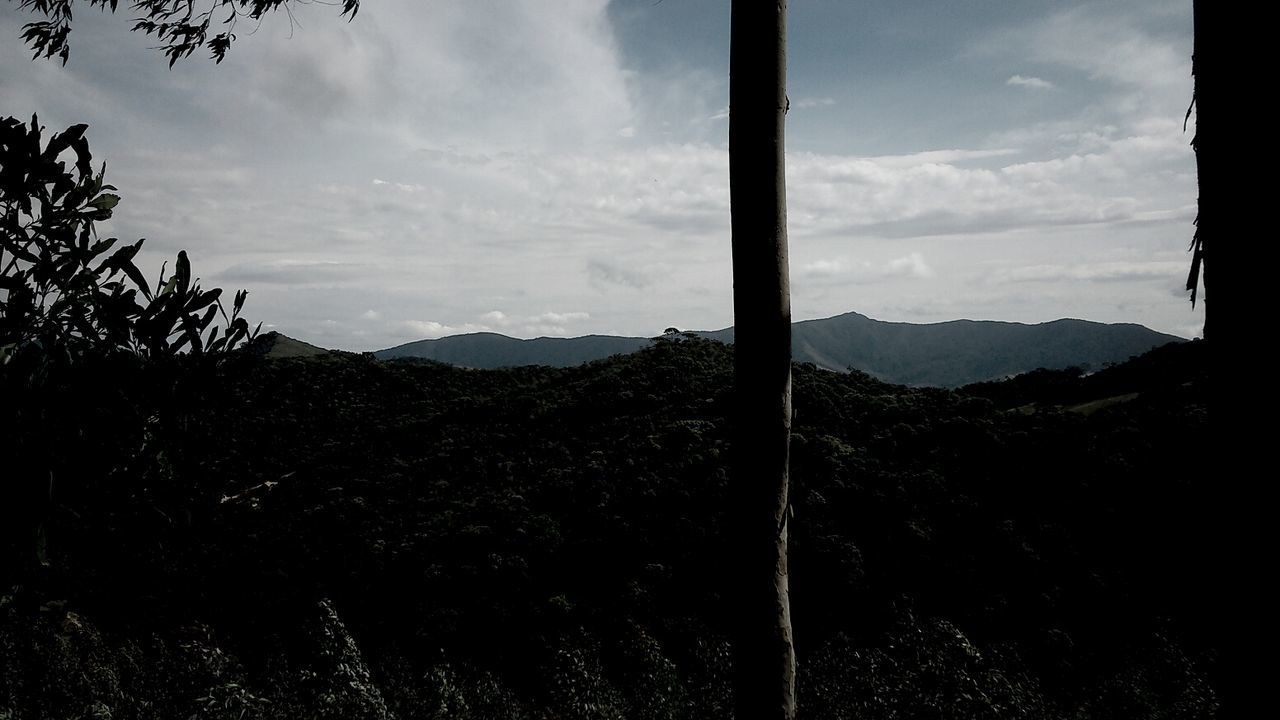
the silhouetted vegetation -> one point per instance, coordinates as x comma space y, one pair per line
89, 351
341, 535
64, 297
180, 26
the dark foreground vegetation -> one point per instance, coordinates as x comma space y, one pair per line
340, 537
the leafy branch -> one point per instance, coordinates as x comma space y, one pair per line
63, 289
181, 26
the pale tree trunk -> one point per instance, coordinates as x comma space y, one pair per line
764, 659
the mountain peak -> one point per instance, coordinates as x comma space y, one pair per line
949, 354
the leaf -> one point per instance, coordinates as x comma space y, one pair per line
63, 140
209, 315
136, 276
83, 158
102, 246
182, 271
120, 257
203, 299
105, 201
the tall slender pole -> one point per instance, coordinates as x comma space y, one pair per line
764, 656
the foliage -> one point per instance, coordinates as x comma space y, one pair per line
181, 26
63, 290
549, 541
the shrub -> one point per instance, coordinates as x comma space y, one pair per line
65, 292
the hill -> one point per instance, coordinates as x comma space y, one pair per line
276, 345
490, 351
960, 352
948, 354
334, 536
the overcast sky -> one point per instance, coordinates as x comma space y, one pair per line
560, 168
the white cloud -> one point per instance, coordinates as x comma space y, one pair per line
1034, 83
912, 265
1108, 44
841, 270
430, 329
823, 268
1093, 272
556, 318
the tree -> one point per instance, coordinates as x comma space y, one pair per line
764, 658
62, 293
77, 319
765, 665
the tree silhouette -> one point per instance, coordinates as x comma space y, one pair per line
1199, 273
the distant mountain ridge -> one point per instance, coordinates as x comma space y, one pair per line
947, 354
487, 350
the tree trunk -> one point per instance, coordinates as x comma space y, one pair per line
764, 659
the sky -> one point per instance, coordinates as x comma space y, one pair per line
436, 167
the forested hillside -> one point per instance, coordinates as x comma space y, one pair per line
337, 536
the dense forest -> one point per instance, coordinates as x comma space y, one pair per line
337, 536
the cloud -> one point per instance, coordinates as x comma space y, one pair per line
541, 324
1034, 83
295, 272
430, 329
823, 268
1092, 272
1126, 178
557, 318
604, 273
1108, 44
840, 270
912, 265
813, 102
1121, 60
417, 162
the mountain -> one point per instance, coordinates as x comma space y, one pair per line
488, 351
960, 352
947, 354
275, 345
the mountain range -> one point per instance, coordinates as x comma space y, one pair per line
948, 354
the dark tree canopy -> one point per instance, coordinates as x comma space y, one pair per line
181, 26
